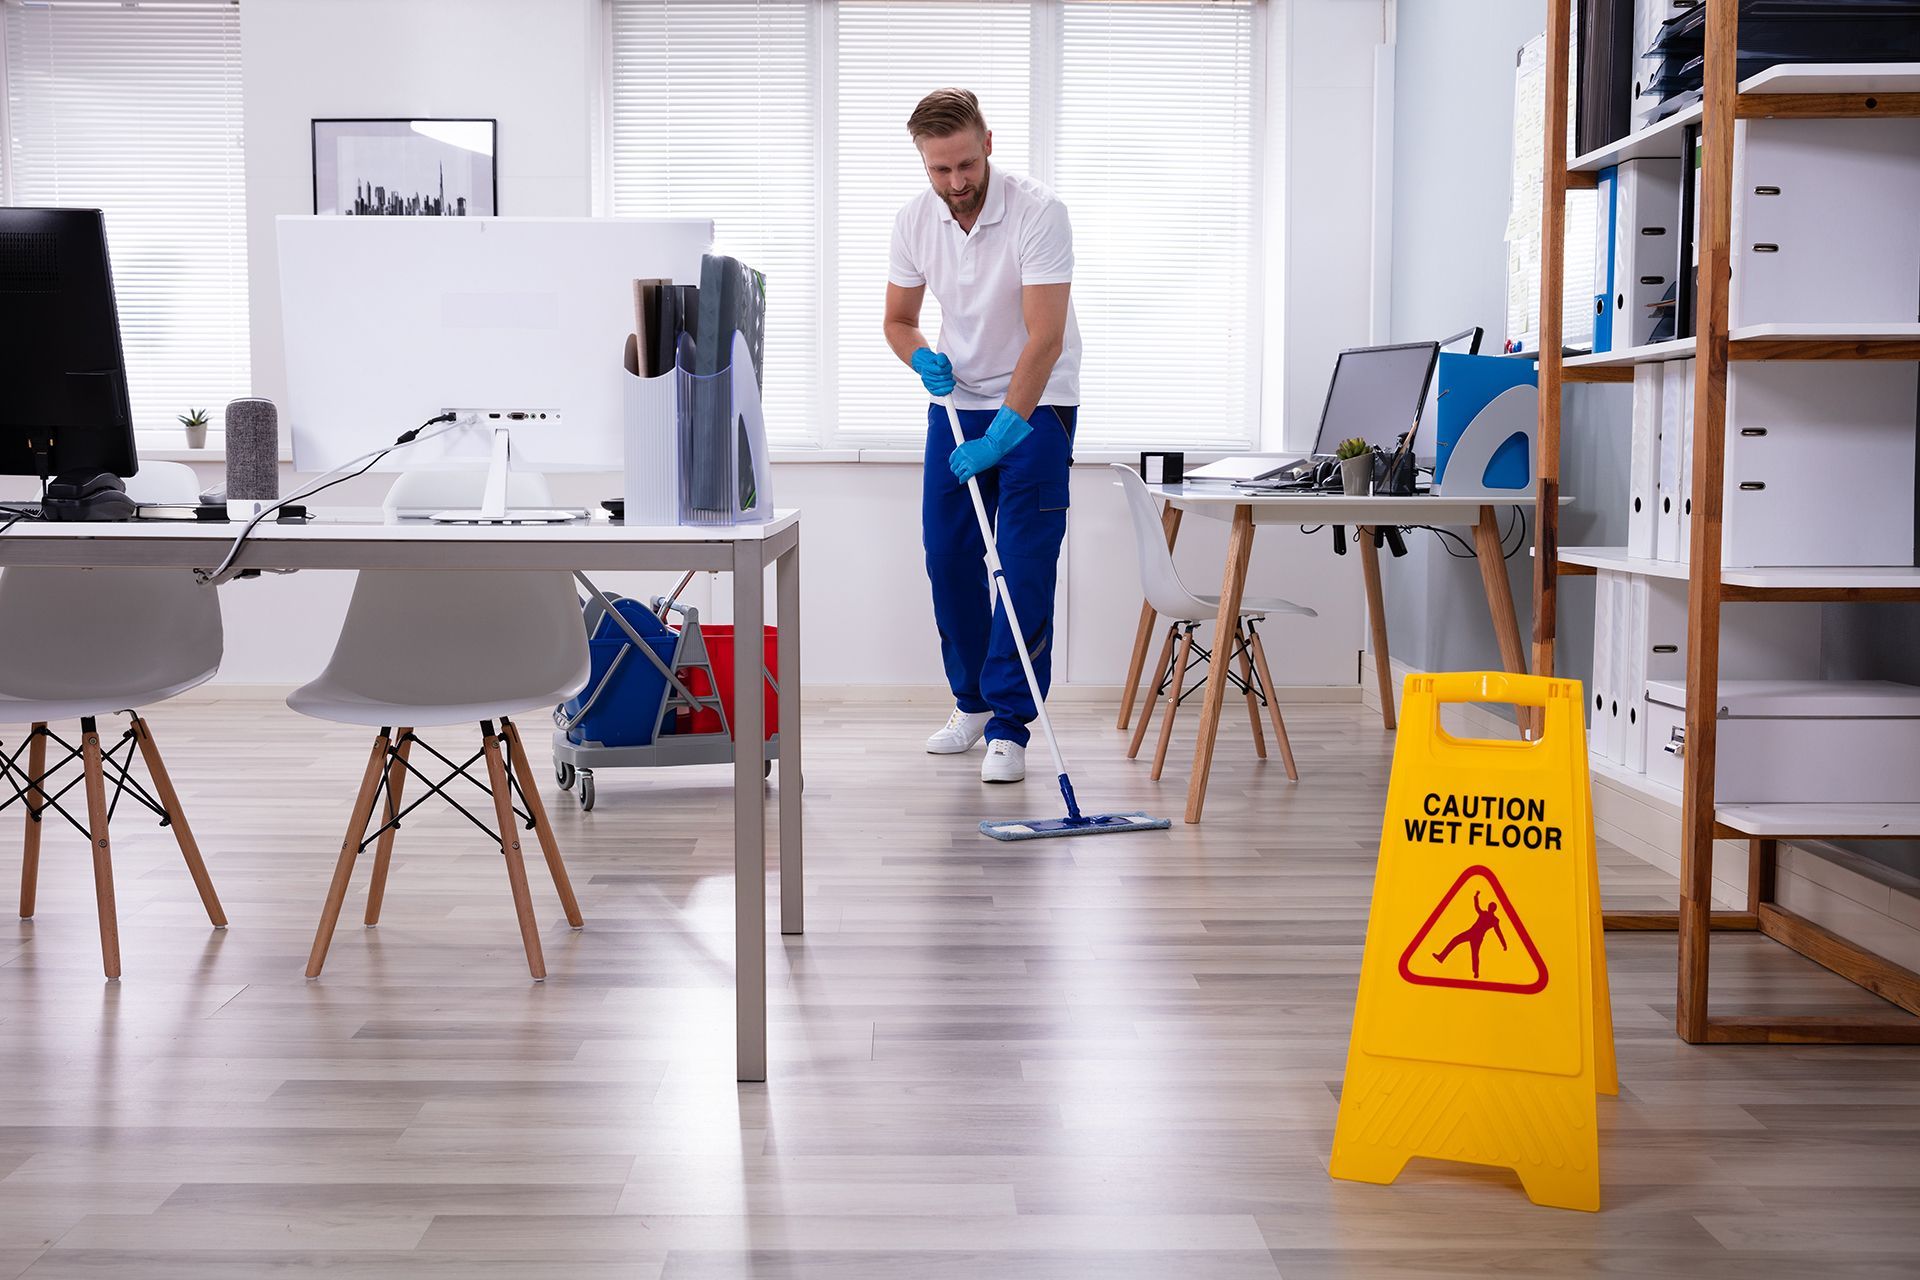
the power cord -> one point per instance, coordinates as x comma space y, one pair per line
365, 462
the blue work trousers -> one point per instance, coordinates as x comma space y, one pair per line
1026, 497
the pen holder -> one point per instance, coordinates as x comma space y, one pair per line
652, 487
724, 474
1356, 475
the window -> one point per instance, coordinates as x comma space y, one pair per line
135, 109
1523, 222
785, 121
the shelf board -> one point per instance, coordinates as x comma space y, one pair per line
1890, 821
1836, 583
1616, 560
1822, 821
1835, 77
1672, 349
1662, 138
1639, 784
1890, 340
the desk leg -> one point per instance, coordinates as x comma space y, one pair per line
1239, 552
1143, 635
1377, 616
749, 815
1506, 627
793, 902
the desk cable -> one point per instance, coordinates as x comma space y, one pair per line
326, 480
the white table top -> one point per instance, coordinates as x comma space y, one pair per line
364, 524
360, 538
1219, 501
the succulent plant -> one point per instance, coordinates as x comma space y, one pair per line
194, 418
1352, 448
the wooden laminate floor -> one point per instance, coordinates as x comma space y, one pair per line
1106, 1058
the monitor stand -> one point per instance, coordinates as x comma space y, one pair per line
493, 502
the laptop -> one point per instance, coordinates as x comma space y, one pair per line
1375, 394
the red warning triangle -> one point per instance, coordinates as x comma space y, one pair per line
1458, 960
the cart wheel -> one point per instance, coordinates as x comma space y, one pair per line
564, 773
586, 791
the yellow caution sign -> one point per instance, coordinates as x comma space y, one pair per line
1483, 1027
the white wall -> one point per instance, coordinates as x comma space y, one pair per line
531, 63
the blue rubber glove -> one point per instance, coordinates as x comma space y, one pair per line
973, 457
935, 370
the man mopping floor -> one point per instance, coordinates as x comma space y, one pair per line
997, 251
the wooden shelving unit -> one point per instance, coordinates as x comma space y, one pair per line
1803, 92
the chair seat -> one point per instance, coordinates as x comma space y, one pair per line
324, 699
1258, 606
18, 707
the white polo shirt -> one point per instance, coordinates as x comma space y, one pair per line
1022, 237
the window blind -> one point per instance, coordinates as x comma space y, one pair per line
136, 110
1157, 166
785, 121
890, 55
715, 114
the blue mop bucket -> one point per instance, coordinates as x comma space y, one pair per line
624, 691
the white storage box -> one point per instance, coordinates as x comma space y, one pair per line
1796, 741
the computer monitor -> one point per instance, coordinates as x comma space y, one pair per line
63, 379
392, 321
1376, 394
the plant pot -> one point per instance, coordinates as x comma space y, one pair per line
1356, 475
197, 436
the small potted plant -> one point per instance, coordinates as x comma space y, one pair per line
1356, 466
195, 421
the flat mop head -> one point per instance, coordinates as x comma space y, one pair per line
1099, 824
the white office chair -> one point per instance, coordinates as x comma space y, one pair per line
85, 643
1171, 599
422, 648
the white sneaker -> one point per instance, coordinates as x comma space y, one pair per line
961, 731
1005, 762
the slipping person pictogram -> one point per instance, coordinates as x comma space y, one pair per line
1474, 934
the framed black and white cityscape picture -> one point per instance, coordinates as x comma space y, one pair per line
405, 168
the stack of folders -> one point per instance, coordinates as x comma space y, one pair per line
1639, 634
1636, 258
1660, 466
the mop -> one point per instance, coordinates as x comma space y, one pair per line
1075, 823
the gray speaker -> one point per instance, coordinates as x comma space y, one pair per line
253, 456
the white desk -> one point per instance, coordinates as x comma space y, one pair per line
1245, 510
357, 539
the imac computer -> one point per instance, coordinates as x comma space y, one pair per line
516, 325
64, 412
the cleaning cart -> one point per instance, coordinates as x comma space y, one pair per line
659, 693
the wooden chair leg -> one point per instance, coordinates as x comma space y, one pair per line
177, 819
1273, 705
30, 854
510, 846
383, 849
349, 850
549, 846
1253, 701
96, 785
1146, 709
1173, 702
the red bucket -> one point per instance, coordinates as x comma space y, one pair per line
719, 640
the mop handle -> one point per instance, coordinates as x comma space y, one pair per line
1006, 597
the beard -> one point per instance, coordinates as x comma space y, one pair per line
967, 205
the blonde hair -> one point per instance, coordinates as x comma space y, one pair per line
945, 112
